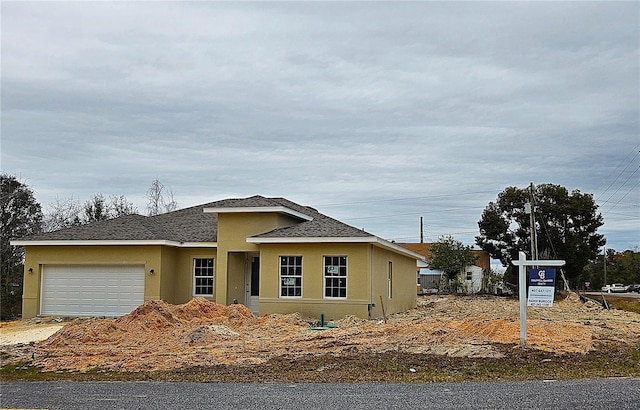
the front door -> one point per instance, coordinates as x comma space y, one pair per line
252, 283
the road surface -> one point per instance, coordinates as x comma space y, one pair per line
619, 394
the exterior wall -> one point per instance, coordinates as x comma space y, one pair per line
235, 282
38, 256
167, 274
475, 284
312, 303
183, 272
404, 295
233, 230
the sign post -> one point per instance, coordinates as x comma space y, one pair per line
522, 263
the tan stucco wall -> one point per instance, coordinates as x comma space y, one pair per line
172, 280
183, 272
312, 303
404, 282
233, 230
38, 256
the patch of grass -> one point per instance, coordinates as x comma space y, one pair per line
393, 367
624, 303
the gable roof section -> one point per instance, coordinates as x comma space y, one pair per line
258, 204
198, 225
185, 225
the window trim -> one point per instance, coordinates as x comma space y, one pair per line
280, 276
324, 277
194, 277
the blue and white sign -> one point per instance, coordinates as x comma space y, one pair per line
542, 286
542, 277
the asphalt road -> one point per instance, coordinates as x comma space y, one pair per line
619, 394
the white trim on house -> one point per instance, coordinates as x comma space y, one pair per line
120, 242
258, 209
340, 239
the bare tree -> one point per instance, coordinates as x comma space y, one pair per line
70, 212
159, 200
63, 214
120, 206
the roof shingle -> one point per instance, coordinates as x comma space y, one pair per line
194, 225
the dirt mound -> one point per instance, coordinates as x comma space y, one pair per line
159, 336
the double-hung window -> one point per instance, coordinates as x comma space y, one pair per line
335, 276
291, 276
203, 277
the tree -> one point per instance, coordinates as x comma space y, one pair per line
96, 209
160, 201
20, 215
62, 214
450, 256
566, 227
69, 212
622, 267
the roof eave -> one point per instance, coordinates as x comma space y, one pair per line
339, 239
259, 209
114, 242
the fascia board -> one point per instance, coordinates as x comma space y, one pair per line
361, 239
115, 243
258, 209
399, 249
314, 239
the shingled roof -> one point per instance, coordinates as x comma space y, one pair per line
194, 225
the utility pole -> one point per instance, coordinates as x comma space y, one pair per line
421, 231
605, 265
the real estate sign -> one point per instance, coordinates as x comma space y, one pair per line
542, 285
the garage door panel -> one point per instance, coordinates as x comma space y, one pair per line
91, 290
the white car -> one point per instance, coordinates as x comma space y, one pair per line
615, 288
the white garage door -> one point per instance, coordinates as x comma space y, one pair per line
91, 290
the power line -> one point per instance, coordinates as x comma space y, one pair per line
620, 173
407, 198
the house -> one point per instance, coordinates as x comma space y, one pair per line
271, 254
471, 279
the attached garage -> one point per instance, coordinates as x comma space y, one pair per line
91, 290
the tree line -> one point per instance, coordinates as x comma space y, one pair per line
21, 215
566, 224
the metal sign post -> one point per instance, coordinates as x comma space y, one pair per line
522, 262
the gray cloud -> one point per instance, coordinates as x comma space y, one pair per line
376, 113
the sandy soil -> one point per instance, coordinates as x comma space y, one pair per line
159, 336
23, 333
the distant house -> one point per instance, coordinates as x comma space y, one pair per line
271, 254
471, 279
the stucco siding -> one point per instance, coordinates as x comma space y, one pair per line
233, 230
312, 301
403, 282
183, 272
38, 256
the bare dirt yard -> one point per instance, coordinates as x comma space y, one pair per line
158, 336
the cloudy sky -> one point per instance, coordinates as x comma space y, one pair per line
373, 113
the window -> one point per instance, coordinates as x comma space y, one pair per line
291, 276
335, 276
469, 275
203, 277
390, 279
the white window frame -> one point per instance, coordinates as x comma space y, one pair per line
195, 269
469, 275
289, 276
332, 276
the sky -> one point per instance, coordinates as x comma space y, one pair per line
374, 113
